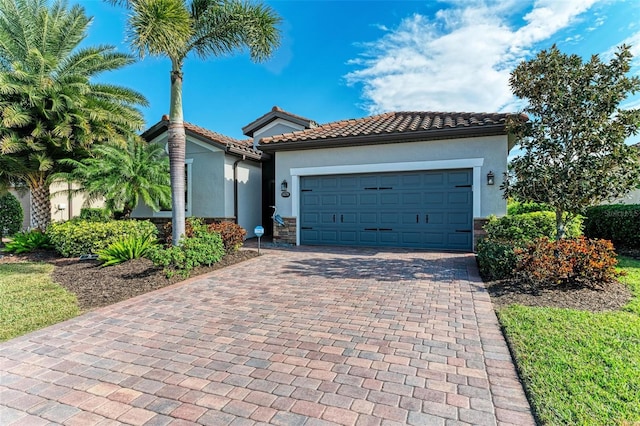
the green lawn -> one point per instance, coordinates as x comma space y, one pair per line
30, 300
580, 367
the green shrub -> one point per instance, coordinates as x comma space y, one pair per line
529, 226
200, 248
131, 247
516, 207
28, 241
232, 235
619, 223
78, 236
496, 257
578, 262
11, 215
95, 214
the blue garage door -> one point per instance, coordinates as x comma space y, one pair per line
422, 209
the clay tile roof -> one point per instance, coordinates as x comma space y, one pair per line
402, 124
234, 146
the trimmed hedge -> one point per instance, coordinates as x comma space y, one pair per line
516, 207
78, 236
529, 226
619, 223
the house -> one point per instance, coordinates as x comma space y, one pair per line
223, 177
400, 179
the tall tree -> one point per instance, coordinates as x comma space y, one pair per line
177, 28
122, 176
575, 154
50, 107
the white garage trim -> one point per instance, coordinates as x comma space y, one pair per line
462, 163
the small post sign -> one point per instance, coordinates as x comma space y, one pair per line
259, 231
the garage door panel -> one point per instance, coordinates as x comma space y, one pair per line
348, 237
368, 199
368, 182
462, 218
368, 218
389, 198
435, 198
326, 218
421, 209
350, 199
368, 237
458, 198
349, 218
411, 199
309, 199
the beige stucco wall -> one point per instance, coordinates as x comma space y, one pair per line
63, 206
490, 151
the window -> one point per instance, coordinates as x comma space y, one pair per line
165, 211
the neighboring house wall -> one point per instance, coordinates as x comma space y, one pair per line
63, 205
632, 198
483, 154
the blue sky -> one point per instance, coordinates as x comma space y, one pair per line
349, 59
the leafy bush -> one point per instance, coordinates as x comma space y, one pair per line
581, 262
516, 207
95, 214
619, 223
496, 259
131, 247
232, 235
28, 241
200, 247
496, 256
11, 215
529, 226
78, 236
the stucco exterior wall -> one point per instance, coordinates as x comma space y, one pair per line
249, 196
63, 206
490, 152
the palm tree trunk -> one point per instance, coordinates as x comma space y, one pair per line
40, 206
177, 143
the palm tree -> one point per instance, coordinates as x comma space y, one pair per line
50, 108
122, 176
177, 28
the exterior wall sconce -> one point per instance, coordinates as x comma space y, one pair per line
283, 189
490, 178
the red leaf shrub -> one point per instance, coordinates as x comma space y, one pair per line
231, 233
578, 262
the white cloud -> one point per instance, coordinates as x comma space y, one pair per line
459, 59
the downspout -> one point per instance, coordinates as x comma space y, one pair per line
69, 201
235, 188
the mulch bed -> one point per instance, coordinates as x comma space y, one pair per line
95, 286
610, 298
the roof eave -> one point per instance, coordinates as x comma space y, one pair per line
384, 138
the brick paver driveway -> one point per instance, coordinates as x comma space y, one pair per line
294, 337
